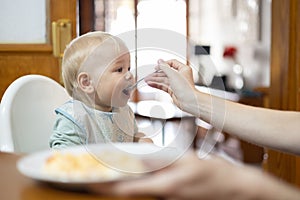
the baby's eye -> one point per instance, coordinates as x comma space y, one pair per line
128, 68
120, 69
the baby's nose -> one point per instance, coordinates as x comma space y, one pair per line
128, 75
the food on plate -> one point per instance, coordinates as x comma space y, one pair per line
87, 166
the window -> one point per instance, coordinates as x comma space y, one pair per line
150, 23
29, 28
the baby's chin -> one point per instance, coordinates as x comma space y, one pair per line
120, 103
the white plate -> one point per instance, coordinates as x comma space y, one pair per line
152, 157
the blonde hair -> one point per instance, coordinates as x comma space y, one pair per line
76, 53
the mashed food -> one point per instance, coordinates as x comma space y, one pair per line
85, 166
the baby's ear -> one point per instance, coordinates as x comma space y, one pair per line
85, 83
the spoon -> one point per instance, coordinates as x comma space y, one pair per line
132, 87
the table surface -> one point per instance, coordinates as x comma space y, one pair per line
15, 186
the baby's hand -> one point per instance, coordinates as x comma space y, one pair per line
140, 138
145, 140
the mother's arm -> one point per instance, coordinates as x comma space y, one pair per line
265, 127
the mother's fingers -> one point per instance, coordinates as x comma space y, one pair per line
156, 74
175, 64
159, 81
161, 86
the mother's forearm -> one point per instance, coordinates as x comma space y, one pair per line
265, 127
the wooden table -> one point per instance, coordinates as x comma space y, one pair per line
15, 186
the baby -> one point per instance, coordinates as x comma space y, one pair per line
95, 71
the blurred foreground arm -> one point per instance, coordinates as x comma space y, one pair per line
191, 178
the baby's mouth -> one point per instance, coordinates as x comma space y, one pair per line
127, 90
130, 88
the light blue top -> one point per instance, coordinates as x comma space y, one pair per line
78, 124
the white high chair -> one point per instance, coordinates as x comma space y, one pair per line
27, 113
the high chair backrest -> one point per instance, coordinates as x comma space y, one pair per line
27, 113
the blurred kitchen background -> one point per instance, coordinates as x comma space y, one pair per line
243, 25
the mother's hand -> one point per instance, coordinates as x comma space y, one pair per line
176, 79
191, 178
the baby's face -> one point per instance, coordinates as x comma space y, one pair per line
112, 82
